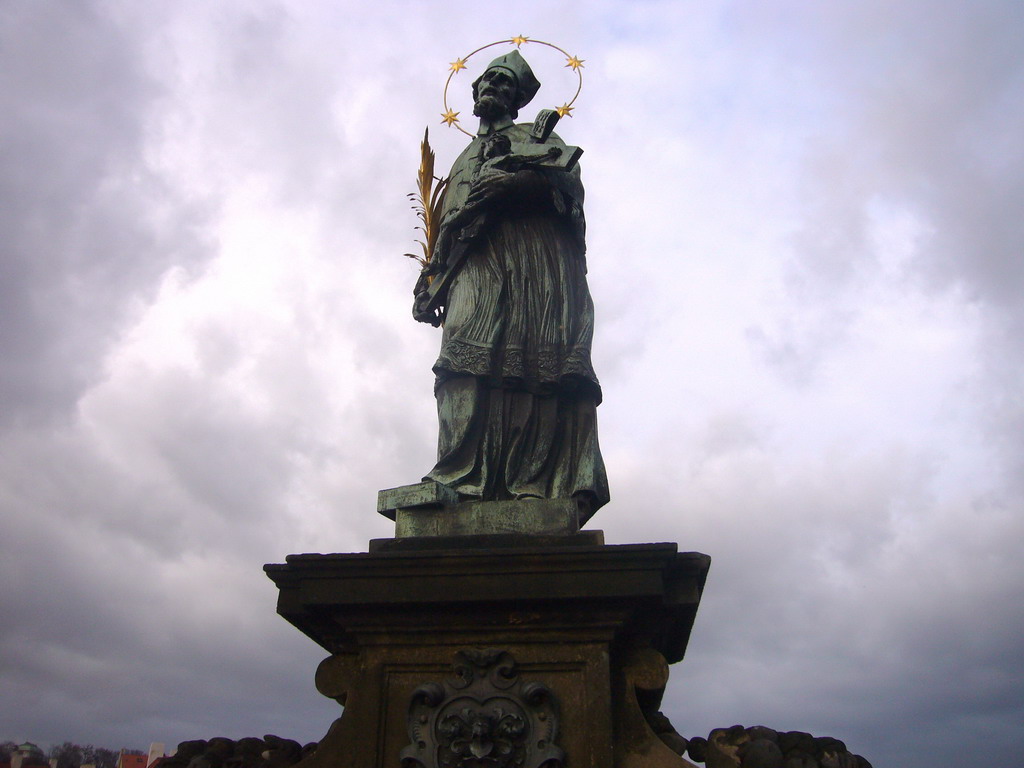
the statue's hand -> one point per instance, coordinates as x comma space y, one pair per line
490, 184
420, 303
421, 314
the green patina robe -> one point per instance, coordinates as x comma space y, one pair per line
516, 391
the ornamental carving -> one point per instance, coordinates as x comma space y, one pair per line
483, 717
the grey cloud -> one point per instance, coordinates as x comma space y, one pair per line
76, 197
934, 128
852, 562
904, 116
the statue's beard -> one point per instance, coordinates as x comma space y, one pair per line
490, 108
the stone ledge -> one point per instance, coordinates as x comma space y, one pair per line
327, 596
528, 516
589, 538
428, 494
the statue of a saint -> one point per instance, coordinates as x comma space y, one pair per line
516, 392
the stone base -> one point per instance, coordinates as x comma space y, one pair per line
431, 509
491, 541
551, 654
536, 516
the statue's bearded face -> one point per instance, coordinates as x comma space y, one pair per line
495, 95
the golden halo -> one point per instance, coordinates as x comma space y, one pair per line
451, 118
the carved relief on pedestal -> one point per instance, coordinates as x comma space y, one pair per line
484, 717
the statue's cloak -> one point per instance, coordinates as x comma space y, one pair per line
516, 389
519, 312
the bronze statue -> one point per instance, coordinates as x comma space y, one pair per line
516, 392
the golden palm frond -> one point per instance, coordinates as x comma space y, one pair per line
427, 200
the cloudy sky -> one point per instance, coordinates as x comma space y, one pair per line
806, 248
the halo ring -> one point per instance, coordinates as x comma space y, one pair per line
451, 118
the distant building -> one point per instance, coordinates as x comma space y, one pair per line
28, 754
125, 760
156, 752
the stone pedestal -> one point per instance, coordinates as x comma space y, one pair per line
506, 650
429, 509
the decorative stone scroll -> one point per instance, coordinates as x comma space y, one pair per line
485, 717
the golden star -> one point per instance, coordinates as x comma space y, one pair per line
519, 40
450, 117
574, 62
458, 64
564, 110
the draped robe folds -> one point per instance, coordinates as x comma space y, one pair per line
516, 392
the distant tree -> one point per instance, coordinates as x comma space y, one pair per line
99, 756
67, 755
6, 750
